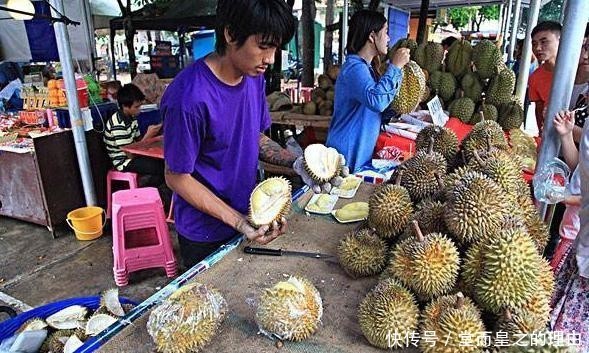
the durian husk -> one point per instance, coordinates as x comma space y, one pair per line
389, 309
270, 201
419, 174
390, 210
499, 166
32, 324
449, 317
411, 89
321, 163
430, 215
290, 310
445, 141
187, 320
362, 254
110, 300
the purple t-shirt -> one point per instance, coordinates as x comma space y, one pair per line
212, 131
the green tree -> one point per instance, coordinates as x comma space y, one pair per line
460, 17
551, 11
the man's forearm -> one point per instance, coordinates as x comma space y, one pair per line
203, 199
272, 152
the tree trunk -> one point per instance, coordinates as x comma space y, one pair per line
129, 37
328, 49
422, 26
308, 24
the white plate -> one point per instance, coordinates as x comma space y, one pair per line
349, 193
334, 214
331, 200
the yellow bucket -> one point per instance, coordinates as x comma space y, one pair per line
86, 222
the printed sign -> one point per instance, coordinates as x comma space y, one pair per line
437, 113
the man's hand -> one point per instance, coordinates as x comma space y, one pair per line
152, 131
299, 168
564, 122
265, 233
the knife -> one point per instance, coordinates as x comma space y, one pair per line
280, 252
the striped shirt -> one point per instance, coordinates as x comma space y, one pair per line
118, 132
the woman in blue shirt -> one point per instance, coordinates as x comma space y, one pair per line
361, 95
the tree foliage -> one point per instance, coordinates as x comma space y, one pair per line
460, 17
551, 11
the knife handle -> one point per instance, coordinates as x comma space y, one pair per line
262, 251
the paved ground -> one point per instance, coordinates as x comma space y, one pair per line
36, 269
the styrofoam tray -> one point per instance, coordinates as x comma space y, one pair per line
331, 200
349, 193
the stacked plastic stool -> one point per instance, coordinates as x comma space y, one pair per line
129, 177
141, 238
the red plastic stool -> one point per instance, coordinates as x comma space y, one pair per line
130, 177
140, 234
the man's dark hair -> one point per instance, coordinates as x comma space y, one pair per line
447, 42
128, 95
271, 19
547, 26
363, 23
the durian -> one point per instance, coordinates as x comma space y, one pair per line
486, 57
269, 201
499, 166
290, 310
485, 135
445, 141
187, 320
511, 115
387, 312
430, 215
411, 89
408, 43
110, 300
486, 112
67, 318
462, 108
501, 87
434, 55
459, 57
362, 254
322, 163
444, 84
32, 325
97, 323
471, 86
390, 209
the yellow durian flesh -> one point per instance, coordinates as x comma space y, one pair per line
290, 310
270, 201
354, 210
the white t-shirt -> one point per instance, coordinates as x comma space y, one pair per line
583, 236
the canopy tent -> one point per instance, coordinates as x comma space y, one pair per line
414, 5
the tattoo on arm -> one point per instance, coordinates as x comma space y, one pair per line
272, 152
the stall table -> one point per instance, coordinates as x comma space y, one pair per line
241, 278
292, 118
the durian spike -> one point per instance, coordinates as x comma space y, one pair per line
418, 232
430, 147
439, 180
478, 158
398, 179
459, 300
507, 314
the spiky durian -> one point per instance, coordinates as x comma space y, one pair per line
322, 163
390, 209
501, 87
290, 310
270, 201
430, 215
408, 43
412, 87
428, 265
388, 311
486, 57
362, 254
445, 141
484, 136
511, 114
486, 111
462, 108
459, 57
444, 84
510, 271
187, 320
500, 167
471, 86
450, 317
434, 55
476, 208
517, 324
537, 229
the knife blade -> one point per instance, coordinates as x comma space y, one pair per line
280, 252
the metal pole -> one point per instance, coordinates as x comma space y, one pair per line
89, 26
563, 10
564, 75
514, 29
507, 22
501, 17
344, 32
65, 57
524, 66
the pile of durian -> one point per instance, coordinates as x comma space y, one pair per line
66, 330
468, 81
458, 245
323, 95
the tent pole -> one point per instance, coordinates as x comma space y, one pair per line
65, 57
524, 66
507, 24
344, 32
112, 52
514, 29
567, 59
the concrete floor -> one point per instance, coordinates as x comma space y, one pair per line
36, 269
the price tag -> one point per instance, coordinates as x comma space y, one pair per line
437, 113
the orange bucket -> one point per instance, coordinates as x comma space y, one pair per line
87, 222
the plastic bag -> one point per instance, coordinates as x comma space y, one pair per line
550, 182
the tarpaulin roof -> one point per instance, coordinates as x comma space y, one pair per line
436, 4
179, 14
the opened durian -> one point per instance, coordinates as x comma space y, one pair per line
362, 254
389, 309
450, 318
390, 209
322, 163
445, 141
110, 300
290, 310
270, 201
428, 265
187, 320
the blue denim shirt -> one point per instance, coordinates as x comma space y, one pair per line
359, 102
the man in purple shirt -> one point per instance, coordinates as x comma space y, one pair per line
215, 113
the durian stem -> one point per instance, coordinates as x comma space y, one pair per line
430, 148
418, 232
459, 300
439, 180
398, 179
488, 139
482, 114
508, 315
463, 157
478, 158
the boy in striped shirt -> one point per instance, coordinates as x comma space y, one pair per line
122, 129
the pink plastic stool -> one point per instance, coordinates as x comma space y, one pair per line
129, 177
140, 234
